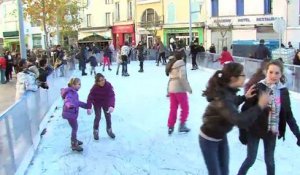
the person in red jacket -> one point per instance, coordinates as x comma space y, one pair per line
225, 57
2, 69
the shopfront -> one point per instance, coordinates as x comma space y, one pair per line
123, 33
182, 34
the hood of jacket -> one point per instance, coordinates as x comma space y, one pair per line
279, 85
65, 91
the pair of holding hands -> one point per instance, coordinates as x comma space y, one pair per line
110, 110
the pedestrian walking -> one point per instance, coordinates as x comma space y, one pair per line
125, 51
140, 54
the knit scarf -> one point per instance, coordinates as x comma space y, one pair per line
274, 105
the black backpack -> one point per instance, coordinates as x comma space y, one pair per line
169, 65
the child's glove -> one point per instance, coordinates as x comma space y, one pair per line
89, 111
110, 110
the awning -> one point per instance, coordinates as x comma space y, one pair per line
10, 34
94, 38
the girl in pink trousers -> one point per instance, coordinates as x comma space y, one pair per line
178, 88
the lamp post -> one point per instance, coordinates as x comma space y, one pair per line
21, 30
190, 19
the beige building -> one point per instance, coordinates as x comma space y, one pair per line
98, 17
149, 20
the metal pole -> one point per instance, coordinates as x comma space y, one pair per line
190, 22
21, 30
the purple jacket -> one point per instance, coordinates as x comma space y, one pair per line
71, 103
101, 96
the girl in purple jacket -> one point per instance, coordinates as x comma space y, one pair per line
71, 109
102, 96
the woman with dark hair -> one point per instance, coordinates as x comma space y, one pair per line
271, 123
222, 114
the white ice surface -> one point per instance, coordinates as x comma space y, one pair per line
142, 145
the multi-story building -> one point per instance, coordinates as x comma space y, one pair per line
293, 22
149, 20
97, 20
232, 20
34, 36
108, 20
176, 20
123, 27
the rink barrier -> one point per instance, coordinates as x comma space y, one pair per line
21, 124
291, 72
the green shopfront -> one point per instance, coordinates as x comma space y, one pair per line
182, 34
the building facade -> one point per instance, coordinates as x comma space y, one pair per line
176, 21
34, 36
123, 28
97, 21
149, 20
233, 20
293, 23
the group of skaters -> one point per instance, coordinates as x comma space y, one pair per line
265, 111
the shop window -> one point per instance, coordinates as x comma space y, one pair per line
117, 11
88, 20
239, 7
267, 7
214, 7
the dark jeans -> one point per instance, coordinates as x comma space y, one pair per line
141, 65
216, 156
194, 63
252, 147
74, 125
162, 55
98, 117
124, 64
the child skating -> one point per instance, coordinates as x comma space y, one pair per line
102, 97
71, 110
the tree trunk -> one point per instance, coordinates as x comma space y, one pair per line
44, 24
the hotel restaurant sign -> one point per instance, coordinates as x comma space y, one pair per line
245, 20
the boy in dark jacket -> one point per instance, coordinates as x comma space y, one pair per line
102, 97
93, 62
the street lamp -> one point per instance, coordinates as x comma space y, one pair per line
21, 30
190, 18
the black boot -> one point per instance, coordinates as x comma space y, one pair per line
96, 134
170, 130
75, 146
183, 128
110, 133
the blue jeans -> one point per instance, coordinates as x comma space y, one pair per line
216, 156
2, 74
252, 147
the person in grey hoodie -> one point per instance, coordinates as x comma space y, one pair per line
178, 88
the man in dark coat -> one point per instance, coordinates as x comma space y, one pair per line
262, 52
140, 54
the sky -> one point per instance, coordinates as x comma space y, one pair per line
142, 145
